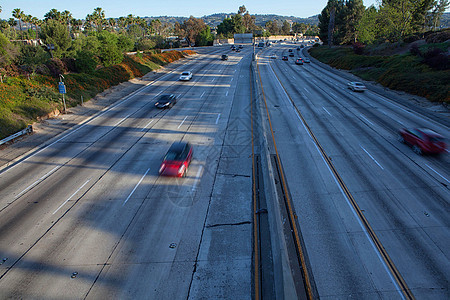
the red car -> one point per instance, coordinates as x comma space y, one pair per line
177, 160
423, 140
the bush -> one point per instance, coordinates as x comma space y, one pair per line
358, 48
437, 59
145, 44
438, 37
414, 50
85, 62
56, 67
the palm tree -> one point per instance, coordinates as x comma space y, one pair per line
18, 14
98, 17
66, 17
34, 21
53, 14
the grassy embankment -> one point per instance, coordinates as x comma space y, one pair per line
404, 72
23, 100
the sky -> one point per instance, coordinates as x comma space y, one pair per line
154, 8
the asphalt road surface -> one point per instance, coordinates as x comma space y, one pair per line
87, 215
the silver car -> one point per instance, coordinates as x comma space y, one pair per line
356, 86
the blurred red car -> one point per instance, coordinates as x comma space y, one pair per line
423, 140
177, 160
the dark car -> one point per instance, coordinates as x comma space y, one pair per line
284, 57
177, 160
166, 101
224, 57
291, 54
299, 61
240, 46
290, 50
422, 140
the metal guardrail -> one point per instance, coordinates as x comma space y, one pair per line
27, 130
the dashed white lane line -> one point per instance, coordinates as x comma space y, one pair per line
197, 177
362, 116
121, 120
226, 94
372, 157
437, 173
182, 122
218, 117
326, 110
147, 125
202, 95
132, 192
71, 196
36, 182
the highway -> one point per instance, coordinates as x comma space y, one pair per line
298, 189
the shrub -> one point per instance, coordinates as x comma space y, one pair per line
56, 67
438, 37
85, 62
358, 48
414, 50
437, 59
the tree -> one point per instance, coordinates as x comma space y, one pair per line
53, 14
192, 27
272, 27
286, 28
18, 14
8, 52
367, 26
110, 53
204, 37
242, 10
437, 11
53, 32
353, 12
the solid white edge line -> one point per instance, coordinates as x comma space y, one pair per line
36, 182
136, 186
182, 122
437, 173
371, 157
71, 197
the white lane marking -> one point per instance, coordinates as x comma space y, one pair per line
202, 95
129, 196
332, 94
217, 120
182, 122
71, 197
232, 79
306, 90
121, 120
158, 94
293, 77
147, 125
197, 177
365, 119
226, 94
213, 80
326, 110
364, 230
437, 173
372, 157
36, 182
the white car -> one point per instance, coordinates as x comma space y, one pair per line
185, 76
356, 86
273, 56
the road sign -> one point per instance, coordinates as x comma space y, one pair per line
62, 88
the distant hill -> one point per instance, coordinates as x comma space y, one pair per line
215, 19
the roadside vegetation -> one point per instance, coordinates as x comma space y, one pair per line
398, 44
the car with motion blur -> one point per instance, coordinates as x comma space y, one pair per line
186, 76
238, 50
177, 160
299, 61
423, 140
224, 57
290, 50
284, 57
298, 48
302, 46
233, 47
356, 86
240, 46
273, 56
306, 60
166, 101
291, 54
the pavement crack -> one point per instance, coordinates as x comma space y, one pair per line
228, 224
